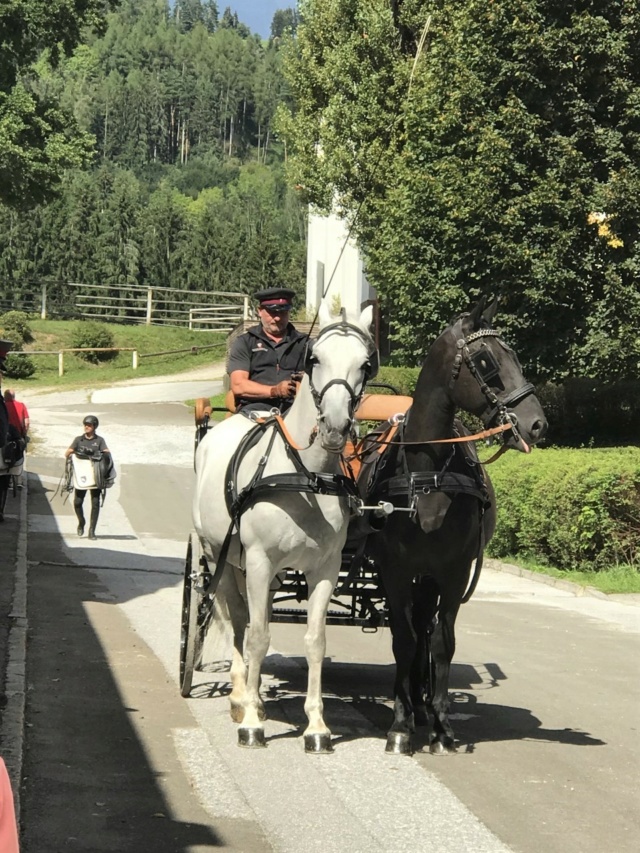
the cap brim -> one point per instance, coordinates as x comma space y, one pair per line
278, 307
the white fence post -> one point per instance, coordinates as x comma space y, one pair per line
246, 308
149, 305
61, 363
190, 319
43, 304
134, 360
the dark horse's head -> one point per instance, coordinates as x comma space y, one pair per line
5, 346
486, 379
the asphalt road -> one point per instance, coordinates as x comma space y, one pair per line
545, 690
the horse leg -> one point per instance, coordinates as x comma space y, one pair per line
404, 645
317, 736
425, 601
251, 732
233, 608
443, 646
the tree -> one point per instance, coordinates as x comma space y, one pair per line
284, 21
500, 156
38, 140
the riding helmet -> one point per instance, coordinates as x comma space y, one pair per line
92, 421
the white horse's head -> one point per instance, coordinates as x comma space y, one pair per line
341, 360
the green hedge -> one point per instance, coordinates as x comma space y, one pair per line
581, 412
573, 509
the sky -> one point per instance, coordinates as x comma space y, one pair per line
256, 14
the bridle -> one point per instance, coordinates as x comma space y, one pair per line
483, 366
343, 328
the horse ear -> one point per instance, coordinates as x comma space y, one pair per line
366, 318
489, 314
324, 315
476, 312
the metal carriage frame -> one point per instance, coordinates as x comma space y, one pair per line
358, 599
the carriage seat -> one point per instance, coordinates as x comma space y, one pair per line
381, 407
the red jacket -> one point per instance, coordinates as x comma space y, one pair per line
17, 414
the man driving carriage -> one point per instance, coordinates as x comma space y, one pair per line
264, 361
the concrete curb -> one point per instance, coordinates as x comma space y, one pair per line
13, 715
568, 586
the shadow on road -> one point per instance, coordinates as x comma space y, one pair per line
366, 688
89, 781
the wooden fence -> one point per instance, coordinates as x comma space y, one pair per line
159, 306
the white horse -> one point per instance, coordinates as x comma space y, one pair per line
296, 528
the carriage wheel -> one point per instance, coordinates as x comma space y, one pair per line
196, 608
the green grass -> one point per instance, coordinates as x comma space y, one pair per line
53, 335
615, 580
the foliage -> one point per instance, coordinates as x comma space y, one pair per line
589, 412
89, 334
573, 509
19, 366
500, 156
15, 326
403, 379
187, 187
39, 139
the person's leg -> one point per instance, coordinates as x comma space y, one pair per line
78, 500
95, 512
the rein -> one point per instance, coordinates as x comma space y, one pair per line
479, 436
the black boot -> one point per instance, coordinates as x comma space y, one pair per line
92, 533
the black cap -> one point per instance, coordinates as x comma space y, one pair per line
275, 298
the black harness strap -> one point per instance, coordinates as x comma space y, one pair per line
423, 482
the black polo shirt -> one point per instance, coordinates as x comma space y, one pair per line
267, 362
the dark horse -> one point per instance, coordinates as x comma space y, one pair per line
424, 554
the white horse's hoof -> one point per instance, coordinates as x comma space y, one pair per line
318, 744
251, 738
398, 743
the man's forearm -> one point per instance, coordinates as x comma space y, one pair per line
251, 390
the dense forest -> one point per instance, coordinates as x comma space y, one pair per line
482, 148
173, 175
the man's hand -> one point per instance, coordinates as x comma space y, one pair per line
284, 389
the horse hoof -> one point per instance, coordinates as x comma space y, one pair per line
251, 738
318, 744
446, 747
398, 743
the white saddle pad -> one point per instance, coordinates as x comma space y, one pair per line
84, 475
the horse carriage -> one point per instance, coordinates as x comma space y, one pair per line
368, 531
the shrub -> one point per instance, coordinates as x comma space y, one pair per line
19, 366
574, 509
89, 334
402, 378
590, 412
15, 327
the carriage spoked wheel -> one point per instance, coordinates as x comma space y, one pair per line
197, 607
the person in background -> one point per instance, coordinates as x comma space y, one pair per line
86, 446
18, 413
263, 362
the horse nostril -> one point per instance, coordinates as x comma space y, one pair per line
538, 429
